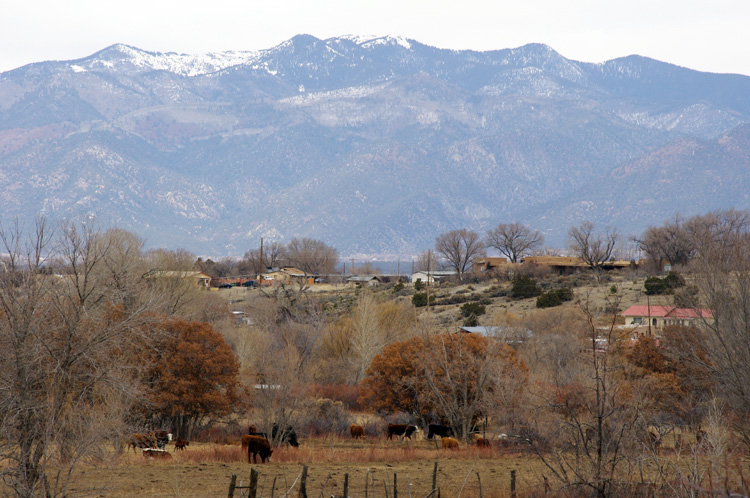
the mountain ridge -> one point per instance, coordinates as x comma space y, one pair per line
376, 145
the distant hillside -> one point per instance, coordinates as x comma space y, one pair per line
372, 145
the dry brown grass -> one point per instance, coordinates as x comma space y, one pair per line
204, 470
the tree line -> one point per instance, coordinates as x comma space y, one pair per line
93, 350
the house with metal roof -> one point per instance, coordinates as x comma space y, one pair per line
660, 316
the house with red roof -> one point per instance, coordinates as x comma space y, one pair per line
660, 316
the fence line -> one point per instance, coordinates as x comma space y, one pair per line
252, 488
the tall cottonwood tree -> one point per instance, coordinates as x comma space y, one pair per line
670, 242
313, 257
594, 249
460, 248
514, 240
274, 254
721, 272
65, 373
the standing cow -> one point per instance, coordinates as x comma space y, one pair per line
257, 445
287, 435
439, 430
403, 430
357, 431
483, 443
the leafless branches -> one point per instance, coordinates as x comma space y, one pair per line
64, 371
514, 240
593, 249
460, 248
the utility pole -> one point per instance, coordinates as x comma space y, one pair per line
260, 266
429, 279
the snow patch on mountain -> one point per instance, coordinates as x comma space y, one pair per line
183, 64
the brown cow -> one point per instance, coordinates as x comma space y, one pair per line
179, 444
141, 441
449, 443
257, 445
357, 431
483, 443
245, 440
401, 430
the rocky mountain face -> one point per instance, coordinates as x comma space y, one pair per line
375, 146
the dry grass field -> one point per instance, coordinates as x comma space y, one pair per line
205, 470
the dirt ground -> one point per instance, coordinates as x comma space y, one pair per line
205, 470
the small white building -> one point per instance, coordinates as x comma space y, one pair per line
431, 277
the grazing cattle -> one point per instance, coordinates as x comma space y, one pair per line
162, 438
403, 430
141, 441
257, 445
439, 430
179, 444
156, 453
357, 431
449, 443
287, 435
245, 440
483, 443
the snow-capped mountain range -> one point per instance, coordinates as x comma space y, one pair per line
375, 145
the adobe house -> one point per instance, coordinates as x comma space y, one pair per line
483, 265
364, 280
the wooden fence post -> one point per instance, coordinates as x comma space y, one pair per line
303, 483
232, 484
513, 484
434, 477
253, 483
346, 485
395, 489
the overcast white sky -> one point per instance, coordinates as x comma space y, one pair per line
708, 35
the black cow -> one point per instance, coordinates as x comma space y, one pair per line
401, 430
439, 430
162, 438
287, 435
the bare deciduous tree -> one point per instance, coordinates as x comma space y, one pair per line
514, 240
716, 235
592, 415
168, 279
670, 242
459, 372
460, 248
312, 256
721, 271
273, 256
593, 249
66, 375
